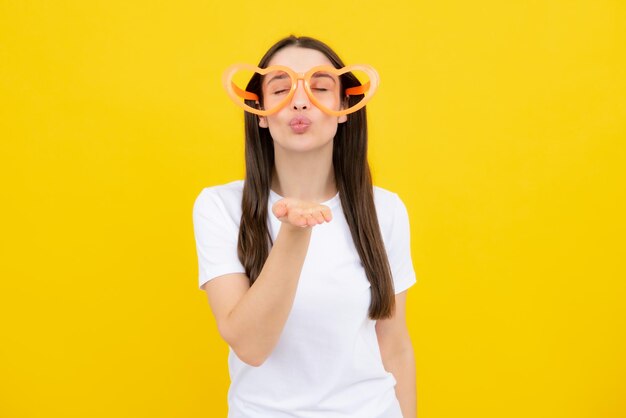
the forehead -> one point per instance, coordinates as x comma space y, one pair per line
299, 59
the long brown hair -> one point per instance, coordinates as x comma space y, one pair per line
352, 177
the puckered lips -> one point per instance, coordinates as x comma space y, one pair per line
299, 124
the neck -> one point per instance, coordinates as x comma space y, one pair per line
304, 175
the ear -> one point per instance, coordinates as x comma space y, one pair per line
344, 104
262, 119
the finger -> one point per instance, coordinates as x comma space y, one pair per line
297, 219
279, 209
315, 216
303, 217
326, 212
305, 221
318, 216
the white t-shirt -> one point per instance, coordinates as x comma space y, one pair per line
327, 361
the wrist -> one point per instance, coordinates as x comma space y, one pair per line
293, 229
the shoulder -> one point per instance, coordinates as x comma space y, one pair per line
224, 198
384, 198
227, 193
389, 207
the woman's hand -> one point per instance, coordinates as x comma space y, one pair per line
301, 213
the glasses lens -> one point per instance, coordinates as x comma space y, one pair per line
276, 88
324, 85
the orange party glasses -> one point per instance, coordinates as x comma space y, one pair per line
321, 85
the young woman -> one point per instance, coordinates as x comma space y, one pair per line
306, 264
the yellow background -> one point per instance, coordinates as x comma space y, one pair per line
500, 124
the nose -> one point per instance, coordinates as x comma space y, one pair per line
300, 100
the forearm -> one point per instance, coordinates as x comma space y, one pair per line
402, 366
256, 322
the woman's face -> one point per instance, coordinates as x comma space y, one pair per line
300, 125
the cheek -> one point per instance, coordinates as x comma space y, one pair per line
277, 127
269, 102
329, 101
274, 121
328, 125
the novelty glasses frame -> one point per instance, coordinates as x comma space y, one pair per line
236, 93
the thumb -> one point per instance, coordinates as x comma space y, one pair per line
279, 209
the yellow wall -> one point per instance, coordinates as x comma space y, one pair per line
500, 124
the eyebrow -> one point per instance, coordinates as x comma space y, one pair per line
278, 77
319, 75
285, 75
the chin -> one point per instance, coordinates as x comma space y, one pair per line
302, 143
302, 147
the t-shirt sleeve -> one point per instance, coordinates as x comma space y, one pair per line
399, 248
216, 237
